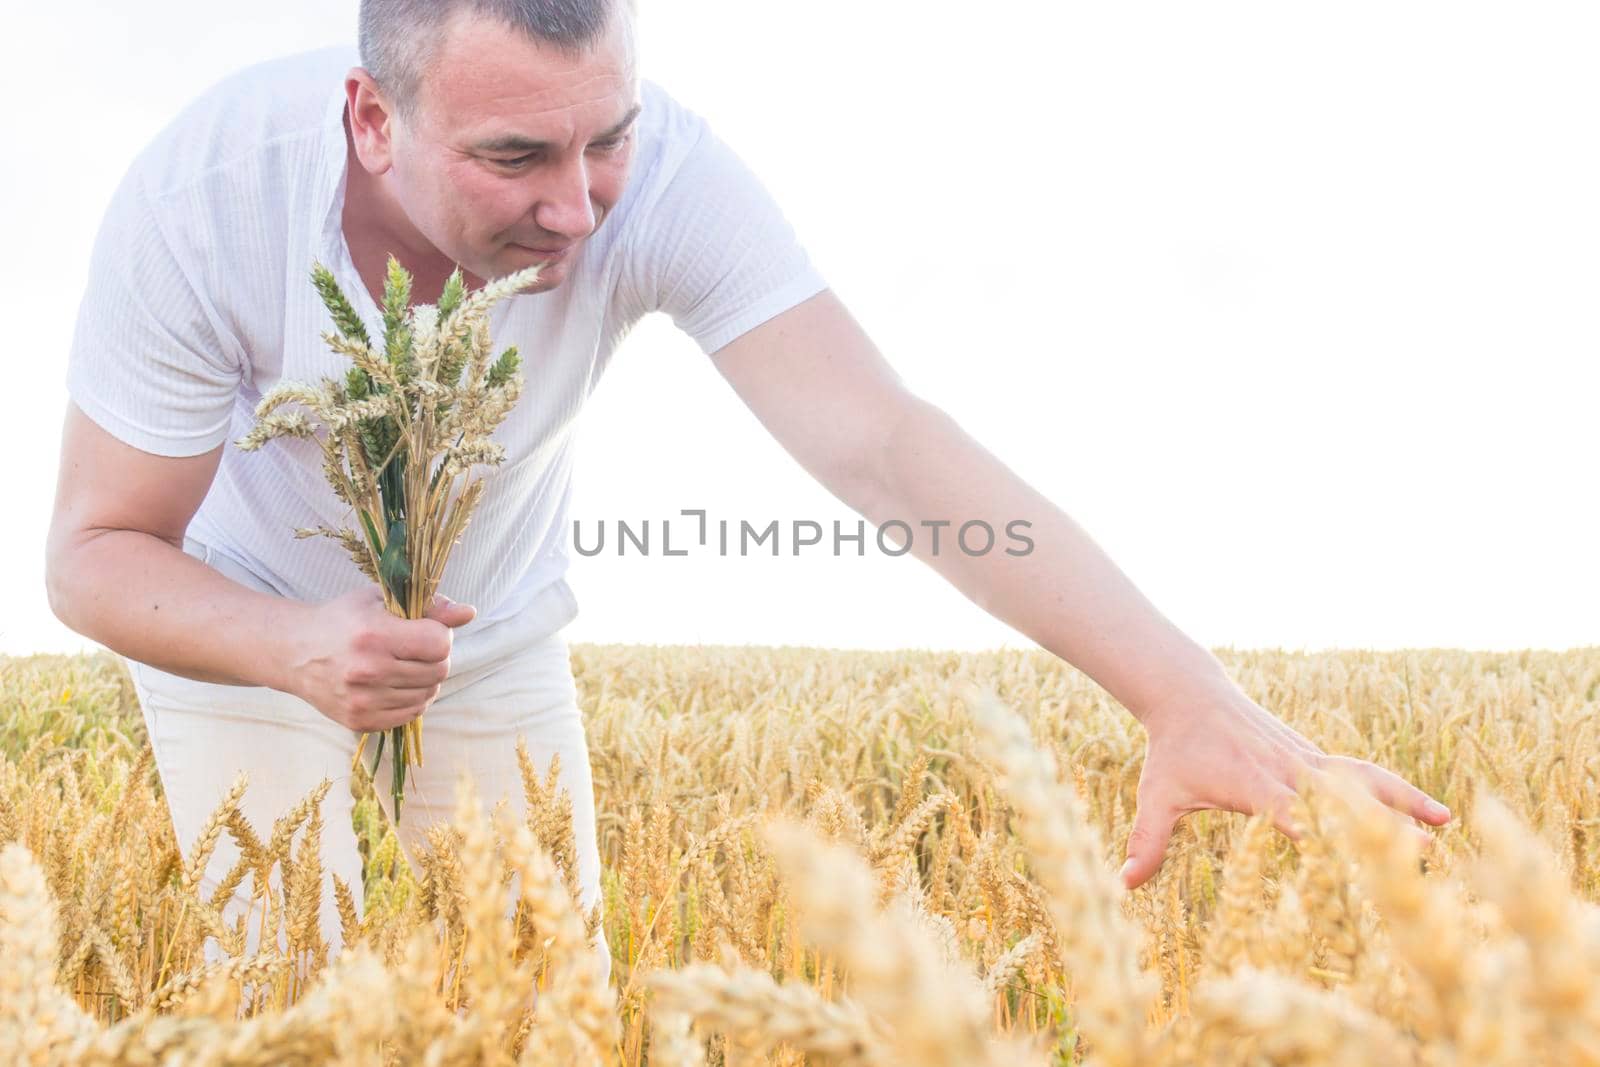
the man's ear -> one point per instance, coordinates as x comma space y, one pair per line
369, 115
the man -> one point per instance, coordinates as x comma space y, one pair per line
495, 135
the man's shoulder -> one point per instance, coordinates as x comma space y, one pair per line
233, 132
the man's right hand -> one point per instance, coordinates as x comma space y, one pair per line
369, 670
116, 571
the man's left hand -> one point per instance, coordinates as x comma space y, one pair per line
1227, 752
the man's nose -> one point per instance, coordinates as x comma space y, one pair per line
565, 207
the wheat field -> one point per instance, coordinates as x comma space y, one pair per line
838, 857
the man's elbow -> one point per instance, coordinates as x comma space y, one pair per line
55, 588
61, 578
870, 477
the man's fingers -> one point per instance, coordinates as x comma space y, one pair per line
1390, 789
1381, 794
415, 674
393, 699
1401, 795
1279, 807
423, 640
447, 611
1147, 843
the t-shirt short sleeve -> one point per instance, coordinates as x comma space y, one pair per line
714, 250
146, 362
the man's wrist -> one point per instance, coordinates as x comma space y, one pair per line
277, 667
1188, 678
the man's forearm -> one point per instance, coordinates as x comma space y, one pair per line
145, 599
1065, 593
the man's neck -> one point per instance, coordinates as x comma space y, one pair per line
369, 223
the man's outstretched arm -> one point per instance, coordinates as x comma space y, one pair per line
821, 387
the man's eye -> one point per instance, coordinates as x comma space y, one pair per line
605, 146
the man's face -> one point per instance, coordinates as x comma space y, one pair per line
516, 147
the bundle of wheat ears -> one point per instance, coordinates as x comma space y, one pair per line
405, 426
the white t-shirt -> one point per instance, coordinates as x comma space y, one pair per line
200, 300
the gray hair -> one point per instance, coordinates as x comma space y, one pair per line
399, 39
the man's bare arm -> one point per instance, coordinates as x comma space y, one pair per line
116, 570
819, 384
821, 387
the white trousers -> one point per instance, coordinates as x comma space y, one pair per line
509, 679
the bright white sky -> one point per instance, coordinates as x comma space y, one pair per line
1293, 307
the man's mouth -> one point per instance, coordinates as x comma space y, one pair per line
549, 253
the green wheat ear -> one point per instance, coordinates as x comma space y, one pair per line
504, 367
344, 316
455, 290
454, 359
396, 295
397, 336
